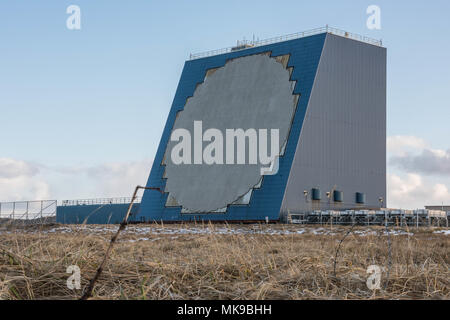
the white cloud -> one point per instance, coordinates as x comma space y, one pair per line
105, 180
429, 162
401, 145
440, 191
20, 180
118, 179
411, 191
10, 168
420, 175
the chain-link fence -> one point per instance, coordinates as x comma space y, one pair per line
28, 212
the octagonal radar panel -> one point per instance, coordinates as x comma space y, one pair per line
203, 159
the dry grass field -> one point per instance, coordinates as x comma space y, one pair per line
225, 262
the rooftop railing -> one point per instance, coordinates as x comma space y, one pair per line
99, 201
246, 44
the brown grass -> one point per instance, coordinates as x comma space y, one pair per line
212, 266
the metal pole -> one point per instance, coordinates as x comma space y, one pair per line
417, 219
88, 293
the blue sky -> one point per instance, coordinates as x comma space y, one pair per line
96, 99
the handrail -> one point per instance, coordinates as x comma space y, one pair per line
247, 44
97, 201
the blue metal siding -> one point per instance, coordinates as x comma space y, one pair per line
305, 54
94, 214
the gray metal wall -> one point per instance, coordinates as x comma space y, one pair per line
343, 140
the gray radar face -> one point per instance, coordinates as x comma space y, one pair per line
252, 92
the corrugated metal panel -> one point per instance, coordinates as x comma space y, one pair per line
343, 140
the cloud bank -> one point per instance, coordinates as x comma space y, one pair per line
21, 180
428, 162
412, 191
419, 175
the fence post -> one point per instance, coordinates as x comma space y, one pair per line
385, 219
417, 219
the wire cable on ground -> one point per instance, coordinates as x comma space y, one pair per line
88, 292
339, 247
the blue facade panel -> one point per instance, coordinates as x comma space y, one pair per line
94, 214
266, 201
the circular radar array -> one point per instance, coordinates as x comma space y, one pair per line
252, 92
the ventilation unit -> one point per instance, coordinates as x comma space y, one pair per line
338, 196
315, 194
